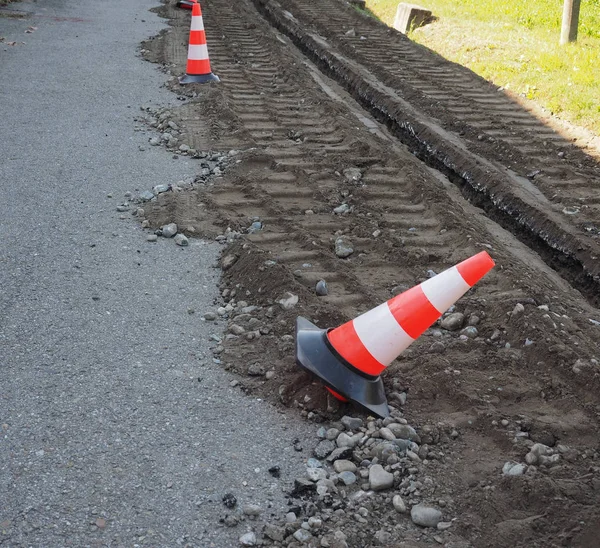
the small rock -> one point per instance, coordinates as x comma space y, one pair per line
537, 451
302, 535
453, 322
288, 301
123, 207
231, 520
340, 453
316, 474
145, 223
210, 316
470, 332
324, 448
151, 238
400, 397
303, 486
159, 189
275, 471
290, 517
353, 175
332, 434
549, 461
513, 469
344, 440
146, 196
347, 477
314, 522
379, 479
438, 347
517, 310
474, 319
154, 141
343, 247
181, 240
252, 510
351, 423
383, 537
404, 431
398, 504
248, 539
256, 226
340, 210
425, 516
168, 231
274, 532
314, 463
321, 288
229, 500
343, 465
386, 434
236, 329
256, 370
228, 261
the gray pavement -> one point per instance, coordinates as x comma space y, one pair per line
116, 427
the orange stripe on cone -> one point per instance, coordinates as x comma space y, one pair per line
413, 299
475, 268
346, 341
198, 67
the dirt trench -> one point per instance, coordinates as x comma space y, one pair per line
306, 147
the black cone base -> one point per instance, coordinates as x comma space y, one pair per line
199, 78
314, 354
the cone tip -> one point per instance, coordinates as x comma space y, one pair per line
476, 267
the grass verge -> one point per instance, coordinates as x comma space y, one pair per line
515, 45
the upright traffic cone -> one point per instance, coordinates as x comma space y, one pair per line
198, 64
350, 358
187, 4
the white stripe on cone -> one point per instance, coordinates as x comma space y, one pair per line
198, 53
381, 334
445, 289
197, 23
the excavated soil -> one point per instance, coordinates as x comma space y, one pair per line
302, 146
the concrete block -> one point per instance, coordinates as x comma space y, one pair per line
411, 16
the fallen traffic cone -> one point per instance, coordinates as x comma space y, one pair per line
187, 4
350, 358
198, 65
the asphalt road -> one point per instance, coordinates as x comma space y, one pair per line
116, 427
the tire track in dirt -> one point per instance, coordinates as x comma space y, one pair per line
299, 143
554, 210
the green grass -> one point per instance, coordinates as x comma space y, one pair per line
514, 43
